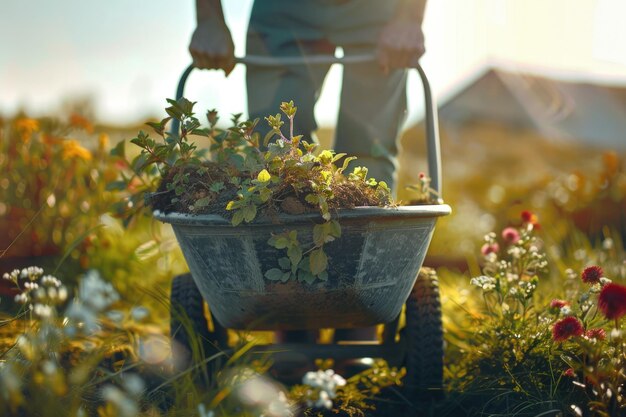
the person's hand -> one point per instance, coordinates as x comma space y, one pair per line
212, 46
400, 44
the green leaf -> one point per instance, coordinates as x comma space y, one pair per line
306, 276
203, 202
346, 162
318, 261
286, 277
284, 263
295, 255
237, 218
119, 149
323, 276
217, 186
281, 242
249, 213
335, 228
274, 274
312, 199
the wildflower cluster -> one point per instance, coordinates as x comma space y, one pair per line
324, 384
580, 330
512, 265
51, 183
39, 293
504, 343
49, 361
326, 390
95, 296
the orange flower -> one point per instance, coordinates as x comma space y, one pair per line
77, 120
71, 149
26, 127
103, 142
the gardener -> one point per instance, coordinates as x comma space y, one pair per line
373, 96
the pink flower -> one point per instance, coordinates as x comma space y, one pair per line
592, 274
488, 248
570, 373
598, 333
566, 328
612, 301
558, 304
510, 235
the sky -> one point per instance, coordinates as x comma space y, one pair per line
127, 56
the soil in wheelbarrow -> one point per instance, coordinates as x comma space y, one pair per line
288, 196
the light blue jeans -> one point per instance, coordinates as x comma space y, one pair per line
372, 107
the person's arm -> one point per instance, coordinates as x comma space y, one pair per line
211, 45
401, 42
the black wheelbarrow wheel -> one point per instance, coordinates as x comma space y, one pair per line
423, 336
193, 340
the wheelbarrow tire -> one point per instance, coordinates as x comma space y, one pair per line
423, 335
192, 340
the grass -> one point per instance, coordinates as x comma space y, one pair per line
482, 376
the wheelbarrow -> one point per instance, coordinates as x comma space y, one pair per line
373, 272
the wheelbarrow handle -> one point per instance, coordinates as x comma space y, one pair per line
432, 127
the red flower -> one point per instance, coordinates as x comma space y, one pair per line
528, 217
558, 304
598, 333
490, 248
566, 328
510, 235
592, 274
612, 301
570, 373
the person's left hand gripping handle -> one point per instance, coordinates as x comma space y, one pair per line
211, 45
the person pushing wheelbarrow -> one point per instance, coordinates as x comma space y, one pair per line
373, 97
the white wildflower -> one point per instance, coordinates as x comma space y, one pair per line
327, 383
125, 406
22, 298
95, 292
604, 281
50, 281
43, 311
566, 311
30, 286
511, 277
62, 295
607, 244
203, 412
485, 282
139, 313
32, 273
133, 384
